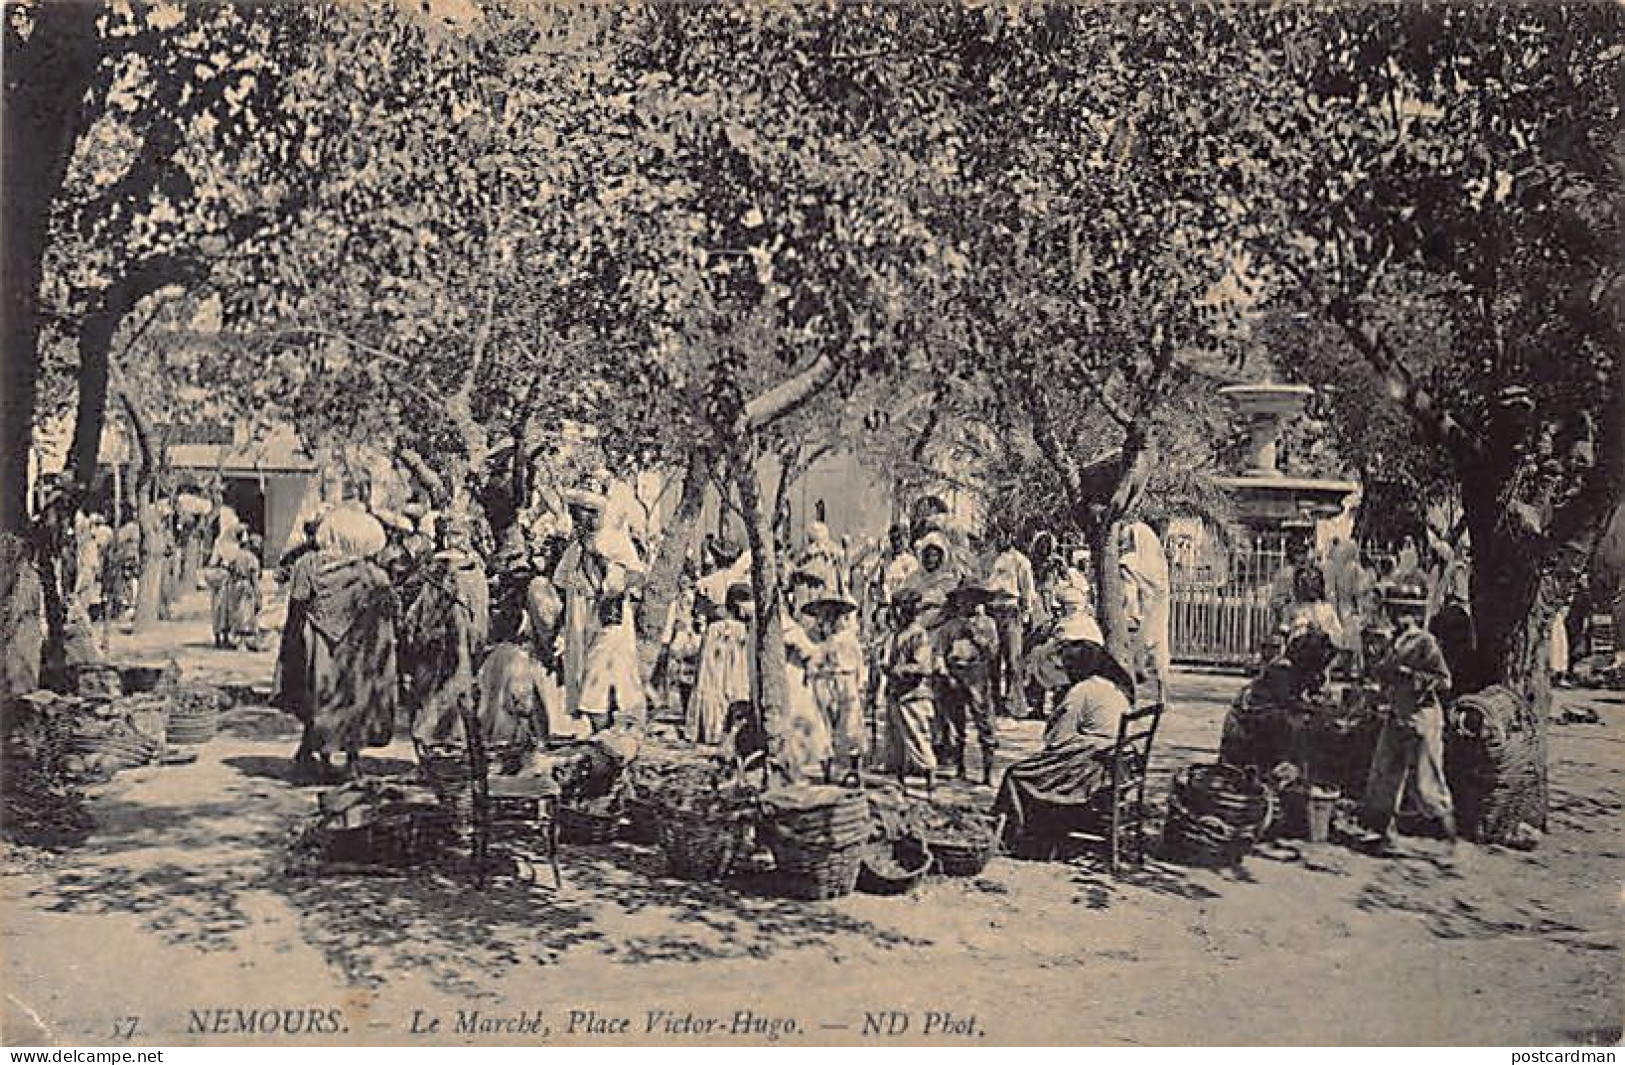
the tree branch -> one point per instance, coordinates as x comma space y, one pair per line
788, 396
1049, 444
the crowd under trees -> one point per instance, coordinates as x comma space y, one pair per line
718, 232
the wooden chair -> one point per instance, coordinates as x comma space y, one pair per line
517, 813
1120, 813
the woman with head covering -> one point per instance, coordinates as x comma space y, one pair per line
336, 667
611, 688
222, 590
241, 593
444, 632
803, 736
1264, 726
1145, 568
824, 563
911, 702
1051, 793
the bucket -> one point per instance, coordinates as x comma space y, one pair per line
1322, 800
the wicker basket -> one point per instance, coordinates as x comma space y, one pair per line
1215, 815
596, 822
957, 857
815, 873
640, 820
910, 860
1495, 766
1203, 841
192, 716
816, 818
699, 846
1224, 792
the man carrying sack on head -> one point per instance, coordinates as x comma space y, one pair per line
1410, 749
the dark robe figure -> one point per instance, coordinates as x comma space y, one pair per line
444, 634
336, 667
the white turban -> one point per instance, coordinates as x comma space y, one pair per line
350, 532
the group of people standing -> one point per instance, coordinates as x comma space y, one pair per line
897, 657
402, 612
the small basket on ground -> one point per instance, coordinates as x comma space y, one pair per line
894, 868
192, 714
962, 842
591, 821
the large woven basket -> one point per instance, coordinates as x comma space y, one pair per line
817, 817
698, 846
957, 857
594, 822
640, 820
1215, 815
1495, 766
816, 872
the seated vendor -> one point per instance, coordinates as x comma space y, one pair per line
1259, 730
1049, 794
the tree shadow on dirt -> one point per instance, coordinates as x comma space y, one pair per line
616, 901
286, 771
1100, 890
182, 905
1451, 908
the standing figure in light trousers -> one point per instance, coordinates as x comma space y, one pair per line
1410, 749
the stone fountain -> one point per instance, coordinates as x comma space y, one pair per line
1264, 495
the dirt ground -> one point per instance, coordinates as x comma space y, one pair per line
177, 912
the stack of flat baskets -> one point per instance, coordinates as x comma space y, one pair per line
818, 836
1495, 766
1215, 815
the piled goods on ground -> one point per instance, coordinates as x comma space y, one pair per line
646, 778
1215, 815
376, 825
193, 712
42, 801
1495, 765
961, 841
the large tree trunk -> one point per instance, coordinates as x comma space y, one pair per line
1517, 590
21, 631
95, 350
1105, 556
676, 541
772, 692
1105, 538
45, 82
155, 546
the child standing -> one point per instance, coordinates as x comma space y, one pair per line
969, 645
835, 672
911, 708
